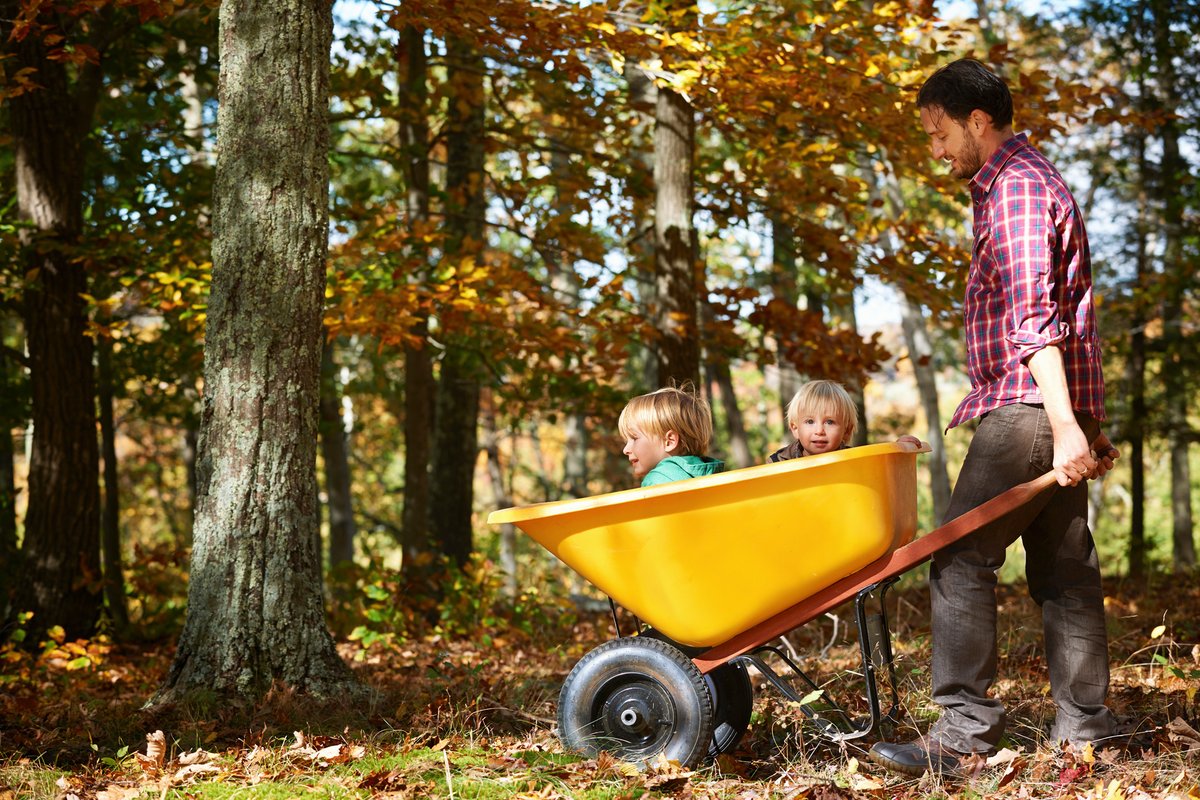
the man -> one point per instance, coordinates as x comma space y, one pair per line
1033, 358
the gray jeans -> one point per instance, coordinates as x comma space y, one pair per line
1013, 444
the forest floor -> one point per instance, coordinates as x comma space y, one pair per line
474, 717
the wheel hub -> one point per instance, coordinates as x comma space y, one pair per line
637, 713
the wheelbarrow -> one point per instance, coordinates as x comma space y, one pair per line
718, 568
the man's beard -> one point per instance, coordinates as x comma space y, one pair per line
969, 161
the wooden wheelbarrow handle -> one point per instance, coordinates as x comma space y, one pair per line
886, 566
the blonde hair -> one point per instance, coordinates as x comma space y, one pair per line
824, 398
670, 409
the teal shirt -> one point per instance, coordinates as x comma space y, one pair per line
678, 468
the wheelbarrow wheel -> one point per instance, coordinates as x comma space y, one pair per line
733, 703
636, 698
732, 695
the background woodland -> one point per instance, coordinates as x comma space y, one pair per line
419, 262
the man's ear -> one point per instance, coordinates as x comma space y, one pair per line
670, 441
979, 121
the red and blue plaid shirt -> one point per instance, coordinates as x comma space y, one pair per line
1030, 285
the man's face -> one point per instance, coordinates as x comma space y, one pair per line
953, 142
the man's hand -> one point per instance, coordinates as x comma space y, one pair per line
1073, 460
1105, 454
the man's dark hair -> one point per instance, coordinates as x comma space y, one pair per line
962, 86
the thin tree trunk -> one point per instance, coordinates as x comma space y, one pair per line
1176, 269
784, 285
10, 413
114, 575
739, 446
508, 532
456, 449
419, 386
675, 257
334, 452
1136, 366
456, 435
255, 610
849, 316
920, 354
565, 284
61, 551
643, 99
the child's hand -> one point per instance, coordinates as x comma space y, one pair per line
910, 439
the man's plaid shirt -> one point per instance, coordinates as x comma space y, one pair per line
1030, 285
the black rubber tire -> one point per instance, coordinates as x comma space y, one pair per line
733, 703
636, 697
732, 695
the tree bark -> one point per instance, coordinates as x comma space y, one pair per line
784, 285
255, 614
334, 452
1177, 270
508, 531
456, 434
675, 259
59, 580
1136, 372
920, 354
110, 527
11, 416
419, 386
643, 101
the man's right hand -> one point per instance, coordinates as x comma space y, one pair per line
1105, 455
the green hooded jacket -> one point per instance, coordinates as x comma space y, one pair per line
677, 468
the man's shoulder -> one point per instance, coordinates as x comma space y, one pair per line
1028, 165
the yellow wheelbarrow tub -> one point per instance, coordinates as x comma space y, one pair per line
705, 559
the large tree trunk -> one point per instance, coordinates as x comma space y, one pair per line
456, 434
674, 251
335, 453
61, 551
255, 614
114, 575
419, 385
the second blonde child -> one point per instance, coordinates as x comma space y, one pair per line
821, 417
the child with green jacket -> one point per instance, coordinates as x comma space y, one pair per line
666, 434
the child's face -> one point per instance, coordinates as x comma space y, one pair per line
818, 433
645, 451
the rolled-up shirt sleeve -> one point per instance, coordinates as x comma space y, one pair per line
1024, 241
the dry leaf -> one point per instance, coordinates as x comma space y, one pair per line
863, 783
1003, 756
156, 752
192, 771
1184, 735
197, 757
